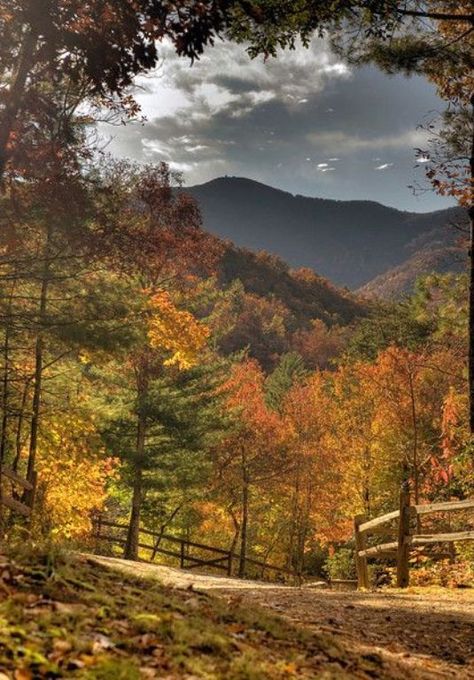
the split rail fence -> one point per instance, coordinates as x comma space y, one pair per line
16, 493
190, 554
407, 535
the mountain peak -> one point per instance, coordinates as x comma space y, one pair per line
348, 242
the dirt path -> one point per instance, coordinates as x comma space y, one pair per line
430, 631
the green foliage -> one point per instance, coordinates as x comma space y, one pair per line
184, 419
341, 564
289, 370
440, 302
388, 324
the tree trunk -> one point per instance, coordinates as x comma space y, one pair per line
415, 458
290, 560
19, 426
471, 283
6, 382
39, 350
367, 466
245, 517
133, 533
14, 96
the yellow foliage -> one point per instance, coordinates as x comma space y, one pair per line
175, 331
72, 473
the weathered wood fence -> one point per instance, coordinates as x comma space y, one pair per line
16, 493
189, 554
406, 534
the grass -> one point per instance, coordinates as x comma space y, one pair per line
65, 617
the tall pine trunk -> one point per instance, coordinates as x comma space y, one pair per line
133, 533
6, 382
39, 355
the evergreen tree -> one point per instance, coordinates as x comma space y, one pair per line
290, 370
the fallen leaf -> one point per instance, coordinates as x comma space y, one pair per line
23, 674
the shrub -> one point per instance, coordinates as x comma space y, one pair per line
341, 564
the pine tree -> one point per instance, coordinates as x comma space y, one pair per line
289, 371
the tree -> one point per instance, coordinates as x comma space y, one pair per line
154, 241
73, 475
320, 345
253, 454
312, 484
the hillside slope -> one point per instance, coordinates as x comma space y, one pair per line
400, 281
271, 309
348, 242
306, 295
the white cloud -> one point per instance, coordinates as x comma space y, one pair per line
225, 75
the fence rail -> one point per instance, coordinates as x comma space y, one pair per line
10, 498
406, 538
216, 558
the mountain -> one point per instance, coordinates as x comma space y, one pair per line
349, 242
438, 250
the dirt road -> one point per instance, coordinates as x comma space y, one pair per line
430, 631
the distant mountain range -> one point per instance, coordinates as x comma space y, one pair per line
362, 245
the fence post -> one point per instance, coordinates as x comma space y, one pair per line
182, 554
361, 562
403, 551
98, 525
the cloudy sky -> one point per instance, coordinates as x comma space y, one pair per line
304, 122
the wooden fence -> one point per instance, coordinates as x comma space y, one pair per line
190, 554
16, 493
406, 535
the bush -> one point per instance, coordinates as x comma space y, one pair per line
341, 564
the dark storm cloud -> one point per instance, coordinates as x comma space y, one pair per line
303, 123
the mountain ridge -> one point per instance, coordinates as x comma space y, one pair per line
348, 242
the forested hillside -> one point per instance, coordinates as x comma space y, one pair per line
277, 309
401, 280
306, 294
